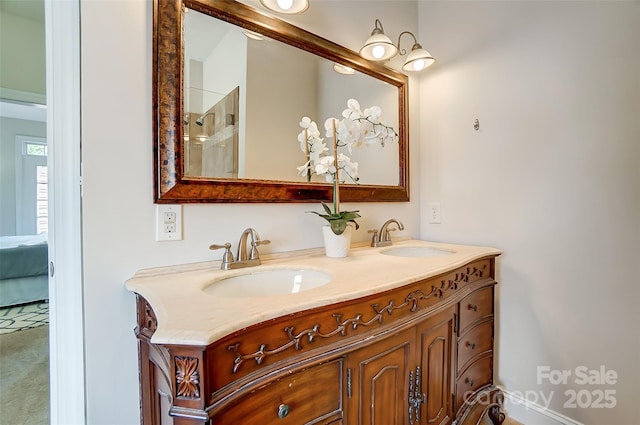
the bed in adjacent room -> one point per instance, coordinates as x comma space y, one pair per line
23, 269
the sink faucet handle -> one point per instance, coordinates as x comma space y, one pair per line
387, 236
260, 242
374, 238
254, 255
227, 257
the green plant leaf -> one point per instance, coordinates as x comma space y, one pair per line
338, 226
326, 208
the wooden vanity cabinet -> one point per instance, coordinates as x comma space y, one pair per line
411, 355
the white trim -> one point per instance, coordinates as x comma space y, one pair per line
22, 110
23, 96
66, 330
528, 412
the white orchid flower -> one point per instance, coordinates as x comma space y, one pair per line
357, 128
303, 142
348, 168
349, 133
373, 114
317, 148
329, 125
309, 138
353, 110
326, 165
304, 170
306, 122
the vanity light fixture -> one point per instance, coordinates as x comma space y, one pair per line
253, 35
380, 48
289, 7
343, 69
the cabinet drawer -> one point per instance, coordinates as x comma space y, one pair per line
475, 341
312, 396
475, 306
477, 375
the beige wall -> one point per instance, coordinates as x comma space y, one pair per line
118, 209
552, 178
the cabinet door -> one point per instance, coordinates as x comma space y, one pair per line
155, 386
379, 381
436, 359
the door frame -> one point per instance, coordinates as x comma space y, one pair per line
66, 312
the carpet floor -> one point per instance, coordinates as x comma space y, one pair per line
24, 377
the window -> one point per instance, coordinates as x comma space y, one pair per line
32, 191
42, 199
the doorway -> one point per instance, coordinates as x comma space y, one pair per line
60, 26
24, 286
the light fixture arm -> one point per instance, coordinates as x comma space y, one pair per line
416, 45
378, 29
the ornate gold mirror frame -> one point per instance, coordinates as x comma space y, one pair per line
170, 183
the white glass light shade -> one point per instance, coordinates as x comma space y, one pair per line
342, 69
289, 7
418, 59
378, 48
252, 35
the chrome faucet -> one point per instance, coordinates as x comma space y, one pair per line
383, 238
242, 259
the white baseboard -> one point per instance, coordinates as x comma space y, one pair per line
530, 413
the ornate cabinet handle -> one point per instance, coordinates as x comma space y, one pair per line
473, 307
416, 396
471, 345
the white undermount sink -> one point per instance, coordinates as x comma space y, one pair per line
416, 251
262, 283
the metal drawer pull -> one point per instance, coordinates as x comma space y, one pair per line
471, 345
469, 381
473, 307
283, 411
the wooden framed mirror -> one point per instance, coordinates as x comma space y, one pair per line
174, 178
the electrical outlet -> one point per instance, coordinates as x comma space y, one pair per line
169, 217
168, 222
434, 213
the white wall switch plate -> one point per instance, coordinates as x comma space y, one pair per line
434, 213
168, 222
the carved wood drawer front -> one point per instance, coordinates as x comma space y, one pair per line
477, 375
311, 396
476, 306
474, 342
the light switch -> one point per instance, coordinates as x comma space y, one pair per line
434, 213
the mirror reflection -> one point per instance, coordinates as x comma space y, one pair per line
244, 97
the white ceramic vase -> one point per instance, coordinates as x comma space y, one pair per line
336, 246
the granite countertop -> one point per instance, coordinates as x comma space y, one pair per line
187, 315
